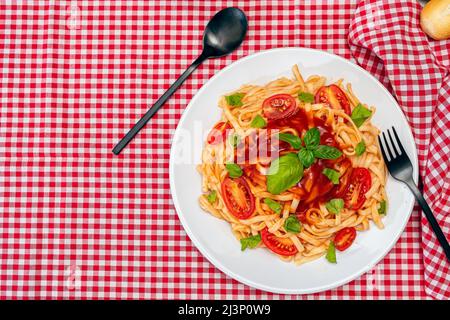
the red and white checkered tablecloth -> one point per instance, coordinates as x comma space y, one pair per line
77, 221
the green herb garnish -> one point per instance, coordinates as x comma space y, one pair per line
331, 253
327, 152
258, 122
291, 224
383, 207
313, 149
294, 141
212, 196
312, 138
235, 100
332, 175
250, 242
234, 139
360, 114
360, 148
306, 97
233, 170
273, 205
335, 205
284, 172
306, 157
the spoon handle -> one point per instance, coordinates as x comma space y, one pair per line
158, 104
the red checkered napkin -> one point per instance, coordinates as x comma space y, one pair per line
387, 35
78, 222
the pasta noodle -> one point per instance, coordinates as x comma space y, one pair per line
308, 199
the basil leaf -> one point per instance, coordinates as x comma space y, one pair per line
331, 253
212, 196
335, 205
327, 152
312, 138
306, 157
360, 148
306, 97
332, 175
250, 242
291, 224
234, 170
360, 114
383, 207
294, 141
258, 122
284, 172
234, 139
235, 100
273, 205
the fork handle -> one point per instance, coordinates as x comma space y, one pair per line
430, 216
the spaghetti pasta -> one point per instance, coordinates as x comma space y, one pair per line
334, 183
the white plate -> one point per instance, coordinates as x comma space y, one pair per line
259, 268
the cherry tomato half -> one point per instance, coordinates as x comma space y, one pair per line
279, 106
344, 238
355, 192
238, 197
281, 246
297, 120
218, 133
333, 96
339, 189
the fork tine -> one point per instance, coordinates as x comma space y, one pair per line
383, 152
398, 142
387, 148
394, 148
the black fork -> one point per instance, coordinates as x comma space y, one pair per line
400, 168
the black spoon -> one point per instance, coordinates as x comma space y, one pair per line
223, 34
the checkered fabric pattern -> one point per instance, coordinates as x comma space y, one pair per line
78, 222
387, 34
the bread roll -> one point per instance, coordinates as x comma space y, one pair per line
435, 19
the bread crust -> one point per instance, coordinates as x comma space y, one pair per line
435, 19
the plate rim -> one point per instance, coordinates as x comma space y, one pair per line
215, 262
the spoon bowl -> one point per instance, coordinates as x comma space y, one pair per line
224, 32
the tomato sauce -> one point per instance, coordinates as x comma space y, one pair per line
259, 147
314, 188
326, 135
298, 121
